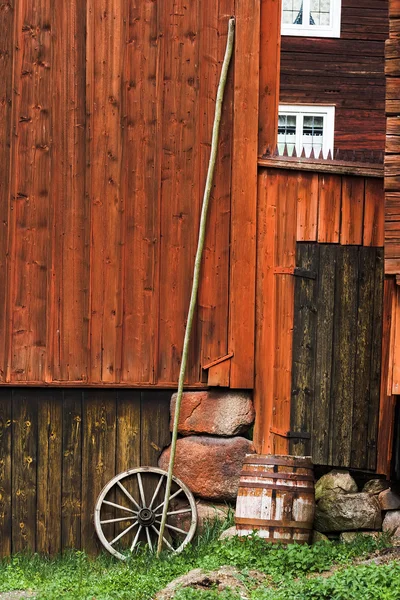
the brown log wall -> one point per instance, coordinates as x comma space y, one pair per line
107, 110
347, 72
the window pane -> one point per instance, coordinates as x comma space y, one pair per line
286, 133
292, 12
313, 130
320, 12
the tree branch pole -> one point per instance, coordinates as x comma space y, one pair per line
197, 267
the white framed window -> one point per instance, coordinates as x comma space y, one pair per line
312, 18
306, 127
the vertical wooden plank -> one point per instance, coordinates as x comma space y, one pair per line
213, 299
5, 471
353, 189
141, 180
72, 469
330, 198
30, 192
105, 37
395, 346
387, 400
270, 56
179, 183
154, 430
24, 467
304, 349
128, 430
265, 308
363, 345
324, 354
49, 469
345, 330
244, 193
68, 333
374, 213
307, 207
376, 360
98, 457
7, 44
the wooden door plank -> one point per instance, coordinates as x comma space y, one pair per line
307, 207
5, 472
7, 45
128, 430
141, 180
49, 472
154, 429
330, 199
98, 457
324, 354
353, 190
72, 469
244, 193
68, 330
270, 55
105, 39
180, 184
265, 308
345, 330
24, 466
363, 348
374, 213
376, 360
286, 219
30, 193
395, 383
304, 350
214, 284
387, 400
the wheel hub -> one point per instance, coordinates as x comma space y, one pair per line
146, 517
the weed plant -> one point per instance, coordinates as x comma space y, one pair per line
75, 576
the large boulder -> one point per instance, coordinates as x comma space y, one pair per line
348, 512
389, 500
375, 486
337, 481
391, 522
209, 466
214, 412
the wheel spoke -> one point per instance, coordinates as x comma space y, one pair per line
156, 492
164, 540
149, 539
128, 495
143, 499
170, 498
118, 520
173, 528
177, 512
136, 537
123, 533
119, 506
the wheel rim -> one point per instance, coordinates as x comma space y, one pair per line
129, 508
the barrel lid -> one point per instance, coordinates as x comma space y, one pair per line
278, 459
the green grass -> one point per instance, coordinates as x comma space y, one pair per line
78, 577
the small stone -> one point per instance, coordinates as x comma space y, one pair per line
389, 500
317, 536
396, 536
340, 482
375, 486
210, 466
214, 413
348, 512
229, 533
391, 522
207, 514
346, 537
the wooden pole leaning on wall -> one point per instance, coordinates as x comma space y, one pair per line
197, 267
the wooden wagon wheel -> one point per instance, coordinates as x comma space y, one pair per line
129, 508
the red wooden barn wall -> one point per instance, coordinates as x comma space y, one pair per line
347, 72
107, 110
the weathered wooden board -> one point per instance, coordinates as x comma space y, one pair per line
58, 448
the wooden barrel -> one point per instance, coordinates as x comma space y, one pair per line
276, 498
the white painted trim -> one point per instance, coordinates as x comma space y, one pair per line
299, 110
331, 31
